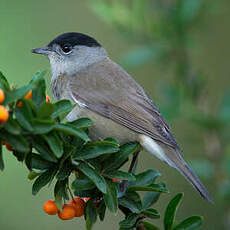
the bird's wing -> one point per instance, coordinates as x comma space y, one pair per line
108, 90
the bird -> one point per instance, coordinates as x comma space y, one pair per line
103, 91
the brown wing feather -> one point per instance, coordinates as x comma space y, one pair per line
107, 89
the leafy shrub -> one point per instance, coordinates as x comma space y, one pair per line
53, 149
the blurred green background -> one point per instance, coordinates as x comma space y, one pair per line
183, 66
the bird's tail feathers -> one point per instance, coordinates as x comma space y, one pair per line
174, 159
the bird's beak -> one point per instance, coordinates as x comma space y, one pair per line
44, 50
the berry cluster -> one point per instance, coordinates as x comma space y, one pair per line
75, 208
4, 114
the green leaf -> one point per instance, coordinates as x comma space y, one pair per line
24, 115
149, 199
33, 175
12, 126
39, 90
54, 143
110, 197
60, 190
17, 94
62, 107
58, 201
4, 85
94, 176
45, 110
170, 212
130, 221
117, 174
112, 140
101, 210
43, 180
1, 156
149, 226
37, 162
145, 178
19, 143
42, 126
40, 145
151, 213
83, 184
82, 123
37, 78
69, 130
132, 201
117, 159
153, 187
19, 155
85, 193
95, 149
191, 223
64, 171
90, 214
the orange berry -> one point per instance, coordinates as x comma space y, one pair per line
8, 147
19, 104
79, 206
2, 96
86, 199
48, 98
50, 207
68, 212
115, 180
4, 114
28, 95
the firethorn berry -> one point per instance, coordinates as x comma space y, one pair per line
8, 147
2, 96
115, 180
50, 207
79, 206
19, 104
48, 98
4, 114
86, 199
68, 212
28, 95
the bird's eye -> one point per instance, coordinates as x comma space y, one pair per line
66, 49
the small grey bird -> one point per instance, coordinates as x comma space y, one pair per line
83, 73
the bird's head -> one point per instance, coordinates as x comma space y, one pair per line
70, 52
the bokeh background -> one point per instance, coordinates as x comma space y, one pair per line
178, 50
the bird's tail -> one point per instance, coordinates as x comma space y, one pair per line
174, 159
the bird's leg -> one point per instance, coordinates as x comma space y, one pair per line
133, 162
124, 184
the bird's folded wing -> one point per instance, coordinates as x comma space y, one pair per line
108, 90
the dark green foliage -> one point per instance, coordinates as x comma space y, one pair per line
54, 149
170, 212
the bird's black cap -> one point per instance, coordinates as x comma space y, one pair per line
74, 39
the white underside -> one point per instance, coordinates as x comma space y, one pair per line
154, 148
